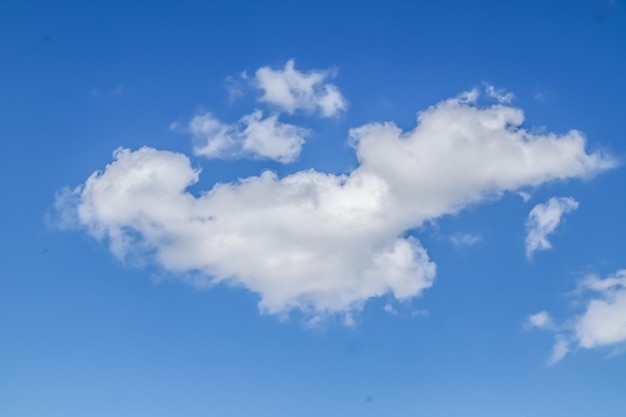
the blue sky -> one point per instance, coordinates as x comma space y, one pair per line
472, 266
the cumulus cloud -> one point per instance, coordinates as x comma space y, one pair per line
543, 220
253, 136
602, 322
290, 90
319, 242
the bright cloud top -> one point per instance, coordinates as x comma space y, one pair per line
252, 137
319, 242
543, 220
290, 90
601, 324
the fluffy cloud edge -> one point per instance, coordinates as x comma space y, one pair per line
290, 90
253, 136
600, 324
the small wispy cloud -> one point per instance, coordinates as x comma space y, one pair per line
559, 350
98, 92
543, 220
541, 320
420, 312
465, 239
525, 196
235, 86
390, 309
499, 94
543, 95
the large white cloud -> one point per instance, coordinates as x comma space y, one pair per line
253, 136
602, 322
290, 90
543, 220
319, 242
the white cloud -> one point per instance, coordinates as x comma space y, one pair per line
601, 324
543, 220
465, 239
291, 90
499, 94
253, 136
559, 350
541, 320
319, 242
604, 320
545, 95
389, 309
525, 196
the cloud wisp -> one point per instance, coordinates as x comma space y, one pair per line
318, 242
499, 94
465, 239
543, 220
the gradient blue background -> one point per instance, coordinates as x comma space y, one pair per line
83, 335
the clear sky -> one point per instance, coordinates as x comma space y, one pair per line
231, 208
